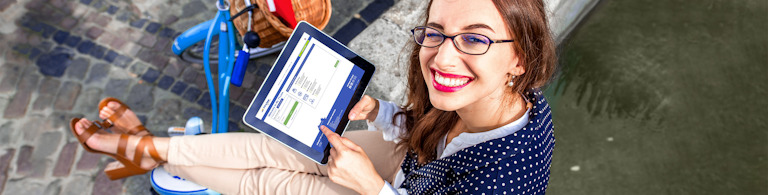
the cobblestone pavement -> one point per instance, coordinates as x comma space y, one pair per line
60, 57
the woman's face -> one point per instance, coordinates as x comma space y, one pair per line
457, 80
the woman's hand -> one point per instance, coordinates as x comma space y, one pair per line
350, 167
366, 108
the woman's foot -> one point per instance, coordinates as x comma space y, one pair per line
123, 119
101, 141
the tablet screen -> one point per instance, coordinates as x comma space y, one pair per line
313, 89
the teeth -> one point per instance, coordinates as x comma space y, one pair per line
450, 82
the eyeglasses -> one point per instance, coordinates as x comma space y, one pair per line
468, 43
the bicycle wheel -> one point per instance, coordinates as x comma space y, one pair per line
194, 53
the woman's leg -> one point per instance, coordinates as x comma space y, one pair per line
289, 181
243, 151
257, 181
251, 150
236, 151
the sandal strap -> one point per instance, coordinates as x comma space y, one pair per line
118, 113
104, 124
139, 130
122, 144
88, 132
138, 154
151, 148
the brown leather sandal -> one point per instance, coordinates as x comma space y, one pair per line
126, 167
131, 168
138, 130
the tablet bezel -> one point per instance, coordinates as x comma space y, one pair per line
250, 119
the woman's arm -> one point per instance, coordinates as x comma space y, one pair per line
350, 167
367, 108
379, 114
383, 123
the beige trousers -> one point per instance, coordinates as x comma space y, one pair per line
251, 163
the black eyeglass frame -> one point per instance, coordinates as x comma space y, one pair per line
413, 33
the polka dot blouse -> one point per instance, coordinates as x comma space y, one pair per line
514, 164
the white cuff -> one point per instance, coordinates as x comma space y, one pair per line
383, 121
387, 189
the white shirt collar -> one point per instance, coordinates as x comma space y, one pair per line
465, 140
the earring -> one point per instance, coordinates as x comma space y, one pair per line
511, 81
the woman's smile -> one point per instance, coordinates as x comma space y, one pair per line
449, 82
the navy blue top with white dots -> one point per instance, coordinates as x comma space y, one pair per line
515, 164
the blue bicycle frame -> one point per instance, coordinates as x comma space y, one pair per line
192, 36
222, 26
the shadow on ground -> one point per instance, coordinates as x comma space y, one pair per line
664, 97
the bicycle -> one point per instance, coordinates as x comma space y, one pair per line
194, 45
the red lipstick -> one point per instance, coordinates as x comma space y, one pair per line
444, 88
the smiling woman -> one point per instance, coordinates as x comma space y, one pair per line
528, 63
474, 115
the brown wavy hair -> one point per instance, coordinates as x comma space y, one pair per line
526, 21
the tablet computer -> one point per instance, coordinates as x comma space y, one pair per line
315, 81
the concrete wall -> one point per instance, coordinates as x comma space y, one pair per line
564, 15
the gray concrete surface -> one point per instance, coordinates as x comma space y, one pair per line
663, 97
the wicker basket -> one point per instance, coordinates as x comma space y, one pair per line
270, 28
